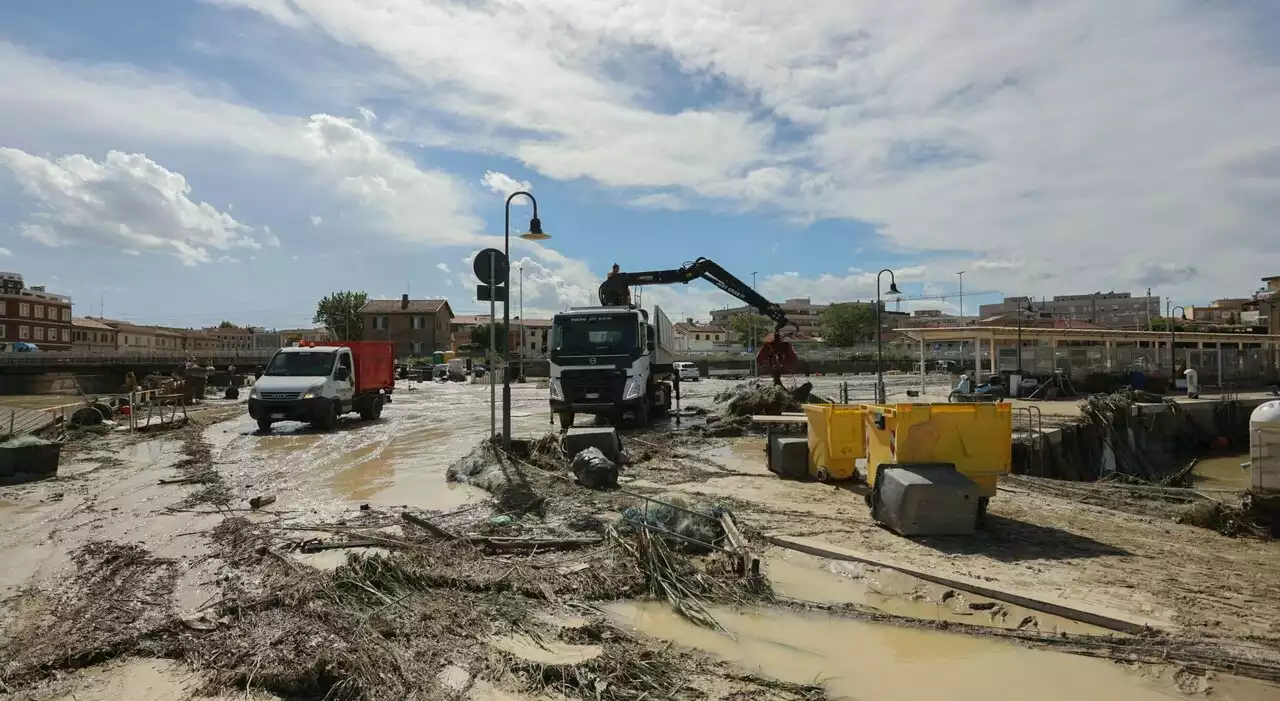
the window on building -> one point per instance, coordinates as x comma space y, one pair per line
39, 332
53, 334
126, 340
66, 315
39, 312
24, 309
24, 332
3, 310
418, 322
2, 331
380, 323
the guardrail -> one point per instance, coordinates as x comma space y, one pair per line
72, 358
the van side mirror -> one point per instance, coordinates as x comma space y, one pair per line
652, 346
342, 374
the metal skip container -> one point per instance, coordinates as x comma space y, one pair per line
933, 467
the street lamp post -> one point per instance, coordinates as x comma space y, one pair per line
1173, 330
751, 334
893, 290
534, 234
520, 345
1021, 309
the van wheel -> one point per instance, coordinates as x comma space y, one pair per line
264, 425
328, 419
370, 408
377, 407
566, 419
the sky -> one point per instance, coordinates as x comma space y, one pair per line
185, 162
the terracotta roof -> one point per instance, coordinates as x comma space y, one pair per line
469, 320
87, 323
416, 306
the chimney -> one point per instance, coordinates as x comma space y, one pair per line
404, 302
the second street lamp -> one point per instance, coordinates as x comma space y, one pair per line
1173, 330
534, 233
1021, 309
893, 290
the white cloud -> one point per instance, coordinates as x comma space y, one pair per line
367, 115
503, 184
5, 252
316, 220
1075, 136
660, 200
125, 201
443, 267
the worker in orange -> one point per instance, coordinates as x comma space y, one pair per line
626, 291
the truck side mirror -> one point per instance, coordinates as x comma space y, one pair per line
652, 346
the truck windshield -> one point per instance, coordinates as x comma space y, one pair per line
595, 335
301, 364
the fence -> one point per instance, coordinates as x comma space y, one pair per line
168, 357
1216, 367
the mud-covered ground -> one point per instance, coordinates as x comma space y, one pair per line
143, 572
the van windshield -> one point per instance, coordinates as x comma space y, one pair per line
595, 335
301, 364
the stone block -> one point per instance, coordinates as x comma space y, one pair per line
604, 438
925, 500
789, 456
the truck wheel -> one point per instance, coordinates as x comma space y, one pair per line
642, 414
264, 425
566, 420
328, 417
370, 408
982, 510
377, 407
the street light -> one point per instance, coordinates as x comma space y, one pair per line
534, 233
893, 290
1021, 309
751, 333
1173, 329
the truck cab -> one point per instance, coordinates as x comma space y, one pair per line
317, 384
611, 362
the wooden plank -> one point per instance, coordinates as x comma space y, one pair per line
1076, 610
784, 419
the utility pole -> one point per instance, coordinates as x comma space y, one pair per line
752, 331
520, 346
961, 275
1147, 304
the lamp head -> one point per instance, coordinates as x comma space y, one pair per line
535, 232
893, 289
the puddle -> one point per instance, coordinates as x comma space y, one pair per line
870, 662
1222, 473
801, 576
137, 680
545, 651
333, 559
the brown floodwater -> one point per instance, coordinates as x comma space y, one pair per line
873, 662
1222, 473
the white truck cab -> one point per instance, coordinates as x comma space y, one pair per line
317, 384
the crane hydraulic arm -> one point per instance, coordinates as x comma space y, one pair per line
775, 354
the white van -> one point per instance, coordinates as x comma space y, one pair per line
686, 371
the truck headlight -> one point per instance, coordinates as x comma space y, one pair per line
557, 392
634, 388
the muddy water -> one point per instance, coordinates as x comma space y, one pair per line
400, 459
1222, 473
808, 578
870, 662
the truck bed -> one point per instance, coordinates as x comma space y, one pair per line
375, 364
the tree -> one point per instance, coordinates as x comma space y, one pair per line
226, 325
740, 325
340, 313
849, 323
480, 338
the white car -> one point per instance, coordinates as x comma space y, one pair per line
687, 372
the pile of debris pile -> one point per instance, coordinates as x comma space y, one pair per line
756, 398
693, 528
492, 470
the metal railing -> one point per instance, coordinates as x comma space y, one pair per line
166, 357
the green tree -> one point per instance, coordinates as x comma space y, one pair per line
740, 326
340, 313
480, 338
846, 324
226, 325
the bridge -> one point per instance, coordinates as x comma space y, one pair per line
124, 361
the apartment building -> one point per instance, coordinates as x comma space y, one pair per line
91, 335
801, 310
231, 338
1116, 310
33, 315
415, 326
694, 337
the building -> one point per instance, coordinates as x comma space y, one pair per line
693, 337
264, 340
1222, 311
133, 337
1116, 310
312, 335
530, 338
806, 315
927, 319
1269, 304
33, 315
91, 335
460, 328
232, 338
415, 326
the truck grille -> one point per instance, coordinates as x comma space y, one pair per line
605, 384
279, 396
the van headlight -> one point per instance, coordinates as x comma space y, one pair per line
313, 392
557, 392
255, 393
634, 388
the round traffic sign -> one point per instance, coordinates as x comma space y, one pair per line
491, 259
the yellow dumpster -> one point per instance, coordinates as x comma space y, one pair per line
837, 438
976, 438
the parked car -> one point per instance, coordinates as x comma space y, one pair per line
687, 372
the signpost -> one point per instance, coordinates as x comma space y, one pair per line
490, 267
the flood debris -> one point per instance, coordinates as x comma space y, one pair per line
488, 468
262, 500
755, 397
690, 527
593, 470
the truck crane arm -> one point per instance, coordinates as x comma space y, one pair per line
775, 353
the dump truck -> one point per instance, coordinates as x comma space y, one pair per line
612, 361
318, 382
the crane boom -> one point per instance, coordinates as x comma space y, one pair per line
613, 291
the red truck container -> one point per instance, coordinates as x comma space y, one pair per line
375, 364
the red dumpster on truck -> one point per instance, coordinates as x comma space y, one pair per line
318, 382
